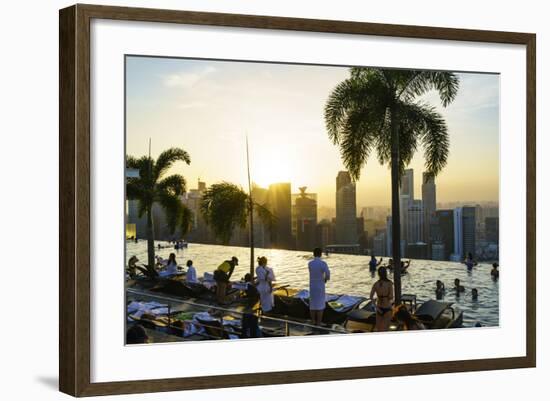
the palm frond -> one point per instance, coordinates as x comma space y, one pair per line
224, 206
445, 83
167, 158
174, 184
430, 128
265, 215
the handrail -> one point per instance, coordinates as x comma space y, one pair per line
270, 318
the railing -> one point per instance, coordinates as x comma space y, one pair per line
285, 323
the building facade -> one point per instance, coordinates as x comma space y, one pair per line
346, 210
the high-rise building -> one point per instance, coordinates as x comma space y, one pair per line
407, 183
389, 239
429, 204
262, 232
279, 201
133, 218
379, 244
458, 238
438, 251
443, 232
346, 210
305, 219
418, 250
469, 230
368, 213
415, 222
325, 233
406, 196
491, 229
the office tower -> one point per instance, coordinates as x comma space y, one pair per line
346, 212
407, 183
458, 253
379, 244
438, 251
418, 250
133, 218
325, 233
415, 222
406, 196
469, 230
443, 231
305, 219
279, 201
262, 232
429, 204
491, 229
368, 213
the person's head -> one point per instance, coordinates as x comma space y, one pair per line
470, 256
495, 266
402, 314
262, 261
390, 261
372, 255
457, 282
474, 293
136, 335
189, 263
383, 273
172, 258
235, 260
317, 252
133, 259
439, 284
247, 277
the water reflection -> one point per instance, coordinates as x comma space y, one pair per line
350, 275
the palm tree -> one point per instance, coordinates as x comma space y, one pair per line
152, 186
376, 109
226, 206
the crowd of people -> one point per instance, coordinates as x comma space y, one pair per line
260, 287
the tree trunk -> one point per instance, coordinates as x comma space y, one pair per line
150, 243
251, 213
396, 227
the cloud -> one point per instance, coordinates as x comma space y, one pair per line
186, 80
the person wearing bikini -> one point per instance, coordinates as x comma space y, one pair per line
383, 289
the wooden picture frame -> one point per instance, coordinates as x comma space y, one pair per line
75, 208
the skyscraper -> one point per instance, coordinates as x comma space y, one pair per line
443, 232
491, 229
262, 232
279, 201
406, 196
407, 183
458, 239
429, 204
305, 215
346, 210
469, 230
415, 222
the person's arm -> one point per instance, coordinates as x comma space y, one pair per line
379, 262
232, 267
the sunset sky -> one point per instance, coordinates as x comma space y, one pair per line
208, 108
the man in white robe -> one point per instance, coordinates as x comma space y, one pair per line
319, 274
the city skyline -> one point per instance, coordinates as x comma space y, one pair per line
188, 103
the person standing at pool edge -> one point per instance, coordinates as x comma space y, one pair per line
319, 274
222, 275
383, 289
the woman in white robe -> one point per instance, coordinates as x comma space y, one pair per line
265, 277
